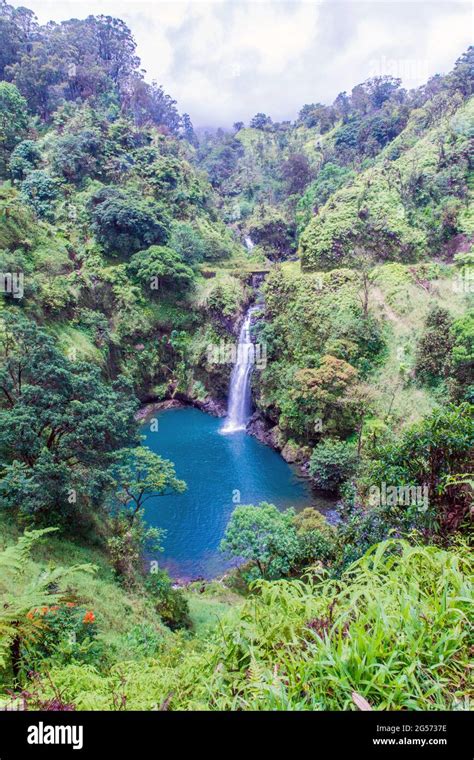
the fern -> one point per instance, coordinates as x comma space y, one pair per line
19, 597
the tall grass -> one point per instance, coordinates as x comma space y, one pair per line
395, 630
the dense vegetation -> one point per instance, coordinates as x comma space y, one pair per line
122, 260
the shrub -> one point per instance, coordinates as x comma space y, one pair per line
316, 538
434, 347
41, 191
124, 222
332, 462
170, 603
61, 633
24, 159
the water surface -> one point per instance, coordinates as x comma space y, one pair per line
218, 469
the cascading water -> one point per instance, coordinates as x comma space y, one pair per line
239, 389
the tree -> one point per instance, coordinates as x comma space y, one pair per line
434, 347
188, 130
321, 394
296, 172
264, 535
13, 120
59, 426
317, 115
462, 354
260, 121
160, 267
77, 155
41, 191
125, 223
24, 159
316, 537
140, 475
428, 453
187, 242
149, 104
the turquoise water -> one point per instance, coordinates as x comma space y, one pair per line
215, 467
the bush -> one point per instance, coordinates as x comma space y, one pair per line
41, 191
61, 633
124, 222
316, 538
170, 603
160, 267
332, 462
24, 159
434, 347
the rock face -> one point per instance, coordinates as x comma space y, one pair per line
212, 406
260, 427
294, 454
272, 436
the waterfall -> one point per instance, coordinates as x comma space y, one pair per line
249, 244
239, 388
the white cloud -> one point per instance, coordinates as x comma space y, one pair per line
223, 60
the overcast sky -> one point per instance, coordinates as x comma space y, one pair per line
225, 60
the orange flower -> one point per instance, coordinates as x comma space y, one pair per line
70, 604
44, 610
30, 615
89, 617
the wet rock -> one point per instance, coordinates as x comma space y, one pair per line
294, 454
213, 406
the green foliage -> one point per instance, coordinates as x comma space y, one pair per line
426, 454
316, 538
125, 223
269, 228
264, 535
160, 267
329, 179
187, 242
137, 476
225, 297
24, 159
13, 120
21, 594
76, 156
381, 631
170, 603
332, 462
462, 353
434, 347
41, 191
61, 633
140, 474
368, 215
56, 436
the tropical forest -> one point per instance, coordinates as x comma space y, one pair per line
236, 389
